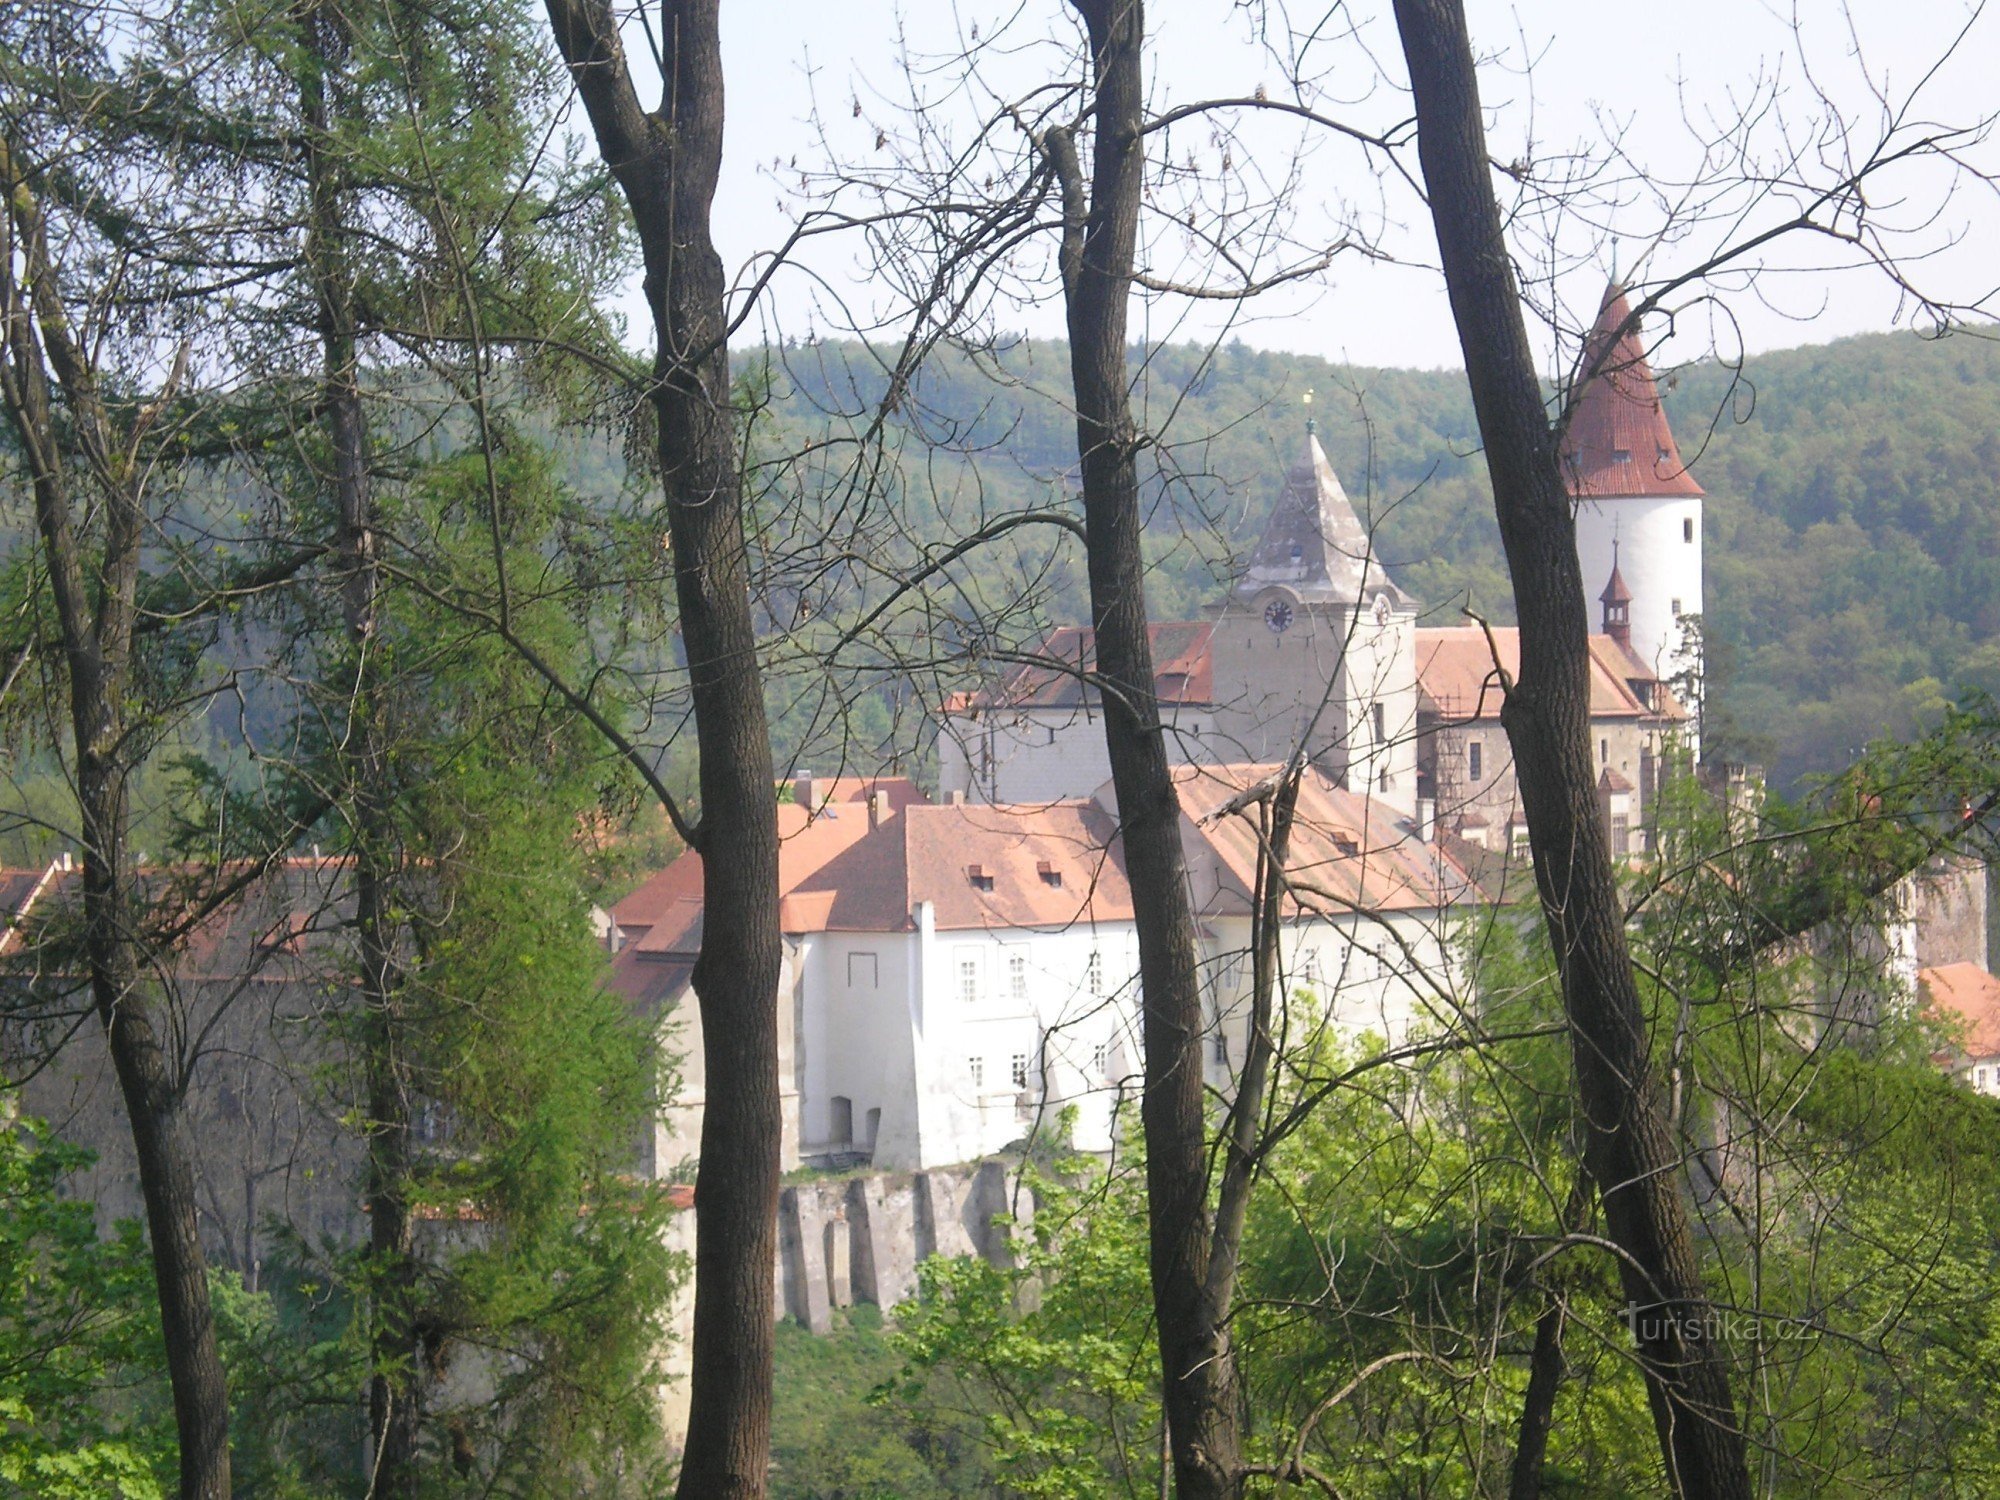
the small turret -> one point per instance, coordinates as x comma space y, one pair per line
1617, 602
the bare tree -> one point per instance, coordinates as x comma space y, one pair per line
666, 161
1100, 235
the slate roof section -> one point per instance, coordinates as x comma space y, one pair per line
1314, 544
1181, 673
1968, 996
1455, 666
1619, 443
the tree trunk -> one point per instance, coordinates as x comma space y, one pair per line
667, 163
97, 650
1197, 1362
392, 1409
1629, 1146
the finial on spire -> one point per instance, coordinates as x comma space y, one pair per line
1306, 401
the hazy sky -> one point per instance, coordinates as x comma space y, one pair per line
1639, 71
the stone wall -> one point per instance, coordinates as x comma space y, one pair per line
843, 1240
860, 1239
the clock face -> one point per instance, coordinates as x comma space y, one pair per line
1278, 616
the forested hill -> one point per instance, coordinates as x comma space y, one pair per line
1853, 518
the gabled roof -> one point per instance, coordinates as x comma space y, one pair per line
1180, 669
1314, 544
1048, 866
663, 916
1618, 442
211, 923
1969, 996
1455, 663
1348, 853
1045, 866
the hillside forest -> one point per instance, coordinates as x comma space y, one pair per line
389, 602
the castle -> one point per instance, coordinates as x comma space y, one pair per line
1317, 646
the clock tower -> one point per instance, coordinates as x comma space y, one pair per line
1316, 642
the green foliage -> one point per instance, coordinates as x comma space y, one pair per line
80, 1363
1850, 528
832, 1438
1046, 1364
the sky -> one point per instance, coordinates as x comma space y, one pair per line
1562, 80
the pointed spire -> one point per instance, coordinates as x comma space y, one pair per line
1314, 544
1618, 442
1617, 602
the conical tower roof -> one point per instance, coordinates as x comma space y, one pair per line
1618, 442
1314, 544
1615, 591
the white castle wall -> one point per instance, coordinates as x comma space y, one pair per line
1659, 553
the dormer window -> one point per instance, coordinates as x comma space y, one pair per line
1621, 455
1664, 456
1346, 844
1049, 873
981, 878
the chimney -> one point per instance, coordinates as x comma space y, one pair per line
878, 808
958, 797
802, 791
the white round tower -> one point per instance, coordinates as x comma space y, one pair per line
1637, 506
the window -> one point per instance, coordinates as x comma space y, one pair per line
1381, 716
1621, 455
1621, 834
1221, 1052
1094, 973
976, 1067
1100, 1060
861, 971
1017, 975
968, 977
1017, 1070
1475, 756
1677, 609
1051, 876
1687, 526
1979, 1077
980, 876
1309, 966
1604, 752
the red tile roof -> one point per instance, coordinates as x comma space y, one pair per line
1180, 669
1618, 442
1051, 865
1348, 853
1455, 675
1968, 998
663, 916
